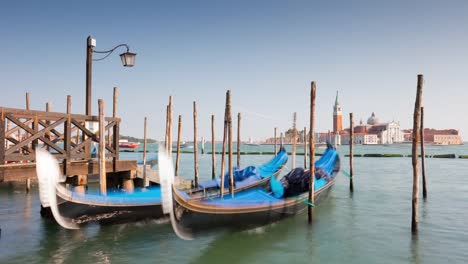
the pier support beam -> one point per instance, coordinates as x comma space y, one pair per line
78, 182
127, 178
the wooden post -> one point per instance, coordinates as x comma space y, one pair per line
238, 138
47, 134
231, 178
423, 157
114, 103
305, 147
351, 142
166, 140
2, 138
179, 129
416, 126
8, 128
116, 132
223, 153
276, 149
36, 129
170, 126
312, 153
145, 178
28, 106
195, 143
28, 185
213, 149
102, 150
294, 138
202, 145
281, 140
67, 139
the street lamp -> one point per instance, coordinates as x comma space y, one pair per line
128, 60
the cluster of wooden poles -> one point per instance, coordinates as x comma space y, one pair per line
418, 134
228, 143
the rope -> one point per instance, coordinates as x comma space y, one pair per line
346, 174
310, 204
306, 201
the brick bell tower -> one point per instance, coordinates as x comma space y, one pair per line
337, 116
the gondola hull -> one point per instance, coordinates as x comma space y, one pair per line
144, 203
84, 213
248, 209
199, 220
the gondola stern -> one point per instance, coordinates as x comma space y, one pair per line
166, 176
48, 173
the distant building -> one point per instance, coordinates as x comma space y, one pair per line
361, 138
375, 132
437, 136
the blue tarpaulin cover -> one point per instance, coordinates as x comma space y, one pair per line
250, 174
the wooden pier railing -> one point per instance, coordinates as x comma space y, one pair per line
69, 137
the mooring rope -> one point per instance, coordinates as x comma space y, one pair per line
346, 173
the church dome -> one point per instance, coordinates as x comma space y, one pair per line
372, 120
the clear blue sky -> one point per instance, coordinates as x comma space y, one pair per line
266, 52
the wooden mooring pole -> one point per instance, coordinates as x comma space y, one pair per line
310, 210
195, 143
179, 129
276, 149
229, 116
166, 137
416, 134
281, 140
170, 126
305, 147
115, 132
423, 155
213, 148
202, 145
294, 138
28, 180
102, 150
145, 178
223, 153
351, 142
238, 138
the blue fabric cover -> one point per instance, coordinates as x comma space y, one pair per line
150, 195
325, 163
249, 197
240, 174
250, 174
276, 187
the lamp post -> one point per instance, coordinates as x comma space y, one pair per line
128, 60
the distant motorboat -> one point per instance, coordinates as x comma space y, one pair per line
124, 143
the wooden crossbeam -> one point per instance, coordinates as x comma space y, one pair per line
26, 148
35, 135
15, 129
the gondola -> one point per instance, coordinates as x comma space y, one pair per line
71, 208
254, 207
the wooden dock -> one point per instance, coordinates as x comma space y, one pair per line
71, 138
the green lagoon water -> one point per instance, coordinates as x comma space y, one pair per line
372, 225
